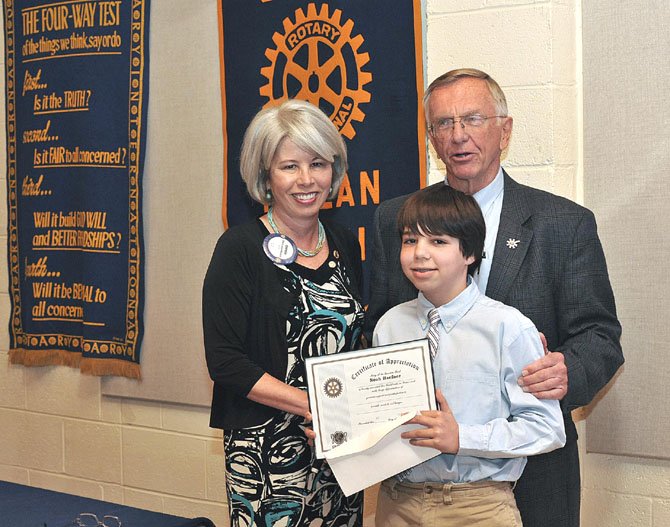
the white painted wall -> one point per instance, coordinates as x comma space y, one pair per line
59, 432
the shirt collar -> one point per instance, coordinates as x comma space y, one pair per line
452, 312
490, 192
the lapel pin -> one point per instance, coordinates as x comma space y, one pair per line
512, 243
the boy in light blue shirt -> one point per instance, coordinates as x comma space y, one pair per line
486, 424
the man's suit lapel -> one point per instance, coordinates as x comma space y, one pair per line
512, 241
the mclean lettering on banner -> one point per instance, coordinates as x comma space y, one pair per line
360, 62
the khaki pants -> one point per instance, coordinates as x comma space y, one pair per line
483, 504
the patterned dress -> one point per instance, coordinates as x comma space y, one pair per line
272, 476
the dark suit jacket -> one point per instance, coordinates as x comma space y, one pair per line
556, 276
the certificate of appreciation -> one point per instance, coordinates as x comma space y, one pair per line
357, 398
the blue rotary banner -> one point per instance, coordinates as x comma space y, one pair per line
359, 61
76, 87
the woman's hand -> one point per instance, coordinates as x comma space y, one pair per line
309, 431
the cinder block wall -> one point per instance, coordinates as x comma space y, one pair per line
529, 48
59, 432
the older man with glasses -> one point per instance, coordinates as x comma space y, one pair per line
542, 255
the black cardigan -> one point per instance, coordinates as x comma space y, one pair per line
244, 310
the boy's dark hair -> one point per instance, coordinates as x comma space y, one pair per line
440, 209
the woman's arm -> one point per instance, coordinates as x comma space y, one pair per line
270, 391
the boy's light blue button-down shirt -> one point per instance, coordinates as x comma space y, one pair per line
483, 347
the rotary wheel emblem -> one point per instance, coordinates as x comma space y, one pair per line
317, 60
332, 387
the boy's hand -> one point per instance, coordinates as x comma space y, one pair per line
441, 428
546, 378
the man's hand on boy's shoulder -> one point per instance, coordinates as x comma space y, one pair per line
546, 378
441, 428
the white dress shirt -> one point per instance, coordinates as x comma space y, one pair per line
490, 200
483, 347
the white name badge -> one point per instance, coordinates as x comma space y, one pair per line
280, 248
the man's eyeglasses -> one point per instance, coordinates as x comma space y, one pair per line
87, 519
445, 127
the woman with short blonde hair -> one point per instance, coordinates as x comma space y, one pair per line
307, 126
280, 289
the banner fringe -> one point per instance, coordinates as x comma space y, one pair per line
117, 367
44, 357
89, 366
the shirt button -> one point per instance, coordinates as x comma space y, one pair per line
429, 490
